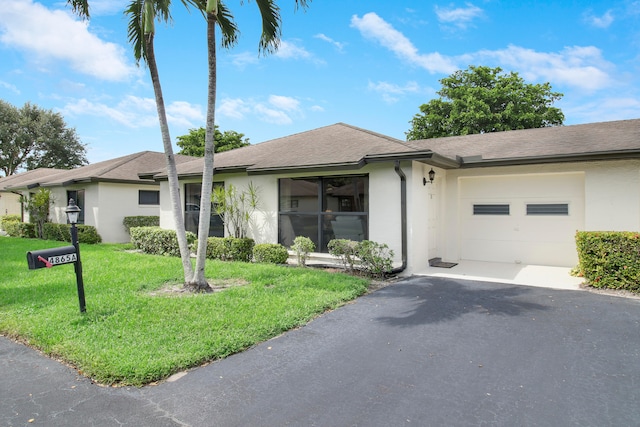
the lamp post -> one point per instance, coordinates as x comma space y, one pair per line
72, 212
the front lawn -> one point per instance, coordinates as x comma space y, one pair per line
132, 333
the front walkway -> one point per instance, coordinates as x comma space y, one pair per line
519, 274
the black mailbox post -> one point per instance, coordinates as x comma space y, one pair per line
47, 258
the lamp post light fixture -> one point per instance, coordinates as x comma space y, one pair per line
432, 176
73, 212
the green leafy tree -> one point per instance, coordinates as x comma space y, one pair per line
192, 144
482, 99
32, 137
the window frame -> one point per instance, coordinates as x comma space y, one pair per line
491, 209
154, 202
552, 209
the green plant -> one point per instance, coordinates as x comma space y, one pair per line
609, 259
230, 248
38, 205
140, 221
302, 246
8, 218
158, 241
20, 229
345, 250
376, 258
273, 253
235, 207
62, 232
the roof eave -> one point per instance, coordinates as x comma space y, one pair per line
478, 162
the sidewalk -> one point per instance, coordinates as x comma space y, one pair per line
518, 274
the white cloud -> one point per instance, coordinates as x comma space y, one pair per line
290, 50
10, 87
576, 66
604, 109
280, 110
234, 108
391, 92
46, 35
461, 17
338, 45
241, 60
285, 103
603, 21
135, 112
373, 27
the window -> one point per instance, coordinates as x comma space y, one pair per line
148, 197
548, 209
491, 209
192, 211
78, 196
323, 209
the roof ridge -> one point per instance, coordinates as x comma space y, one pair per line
118, 162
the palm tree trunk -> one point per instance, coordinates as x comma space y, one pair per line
199, 278
174, 188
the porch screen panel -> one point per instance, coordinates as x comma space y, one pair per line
192, 194
323, 209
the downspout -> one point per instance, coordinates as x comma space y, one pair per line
403, 215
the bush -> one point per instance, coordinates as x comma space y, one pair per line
610, 259
230, 248
376, 258
270, 253
345, 250
19, 229
62, 232
8, 218
158, 241
302, 246
140, 221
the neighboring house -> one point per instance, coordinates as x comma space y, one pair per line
106, 192
10, 200
513, 197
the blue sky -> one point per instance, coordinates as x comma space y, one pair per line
370, 64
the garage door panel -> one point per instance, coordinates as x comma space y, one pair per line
518, 237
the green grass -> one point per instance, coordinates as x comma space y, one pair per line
129, 335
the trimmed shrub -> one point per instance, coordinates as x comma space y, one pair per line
230, 248
345, 250
272, 253
20, 229
610, 259
8, 218
302, 246
158, 241
62, 232
140, 221
376, 258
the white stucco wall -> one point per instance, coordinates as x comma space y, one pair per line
9, 203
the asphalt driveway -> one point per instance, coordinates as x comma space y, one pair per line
425, 351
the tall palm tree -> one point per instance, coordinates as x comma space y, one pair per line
217, 14
142, 15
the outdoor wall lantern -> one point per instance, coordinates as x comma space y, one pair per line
73, 212
432, 176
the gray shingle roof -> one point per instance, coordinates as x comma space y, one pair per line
122, 169
18, 179
560, 143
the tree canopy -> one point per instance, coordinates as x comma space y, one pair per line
482, 99
192, 144
31, 137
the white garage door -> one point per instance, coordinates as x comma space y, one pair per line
528, 219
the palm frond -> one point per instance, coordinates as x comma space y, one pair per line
227, 25
80, 7
271, 20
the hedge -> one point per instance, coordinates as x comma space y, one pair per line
19, 229
230, 248
272, 253
610, 259
62, 232
8, 218
158, 241
140, 221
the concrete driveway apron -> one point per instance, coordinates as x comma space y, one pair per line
424, 351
